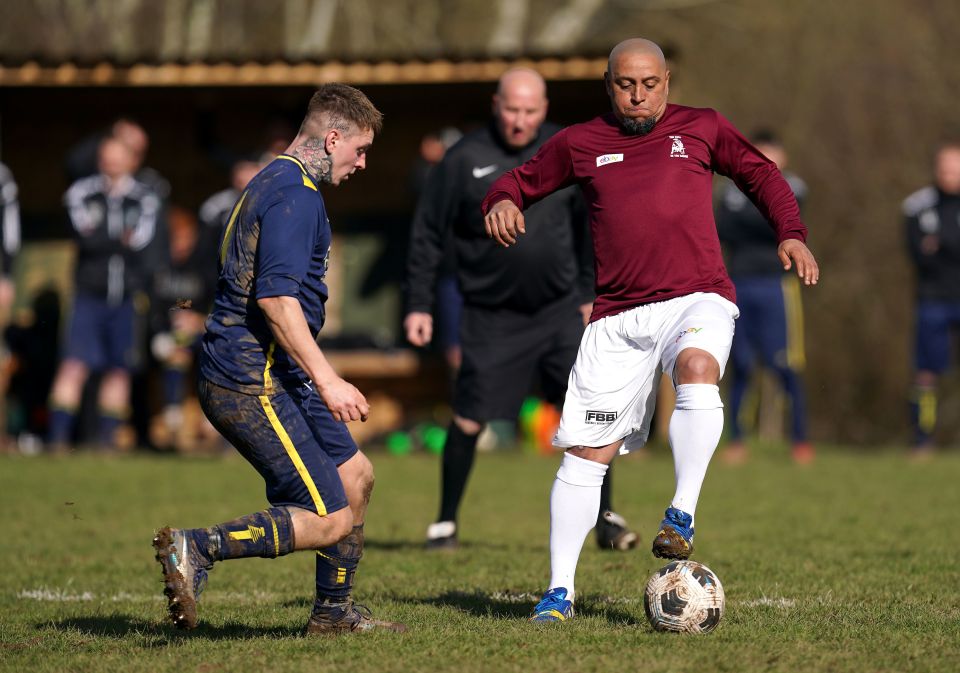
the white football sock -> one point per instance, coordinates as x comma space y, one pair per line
574, 506
695, 429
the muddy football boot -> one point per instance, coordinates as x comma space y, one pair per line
553, 607
184, 574
675, 538
612, 533
347, 617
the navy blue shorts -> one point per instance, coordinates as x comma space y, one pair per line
290, 438
935, 320
104, 336
770, 326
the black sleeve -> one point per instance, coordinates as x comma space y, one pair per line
914, 237
432, 220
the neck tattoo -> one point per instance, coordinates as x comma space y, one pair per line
315, 159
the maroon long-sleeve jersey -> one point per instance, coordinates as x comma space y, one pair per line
650, 200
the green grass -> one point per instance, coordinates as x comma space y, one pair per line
850, 565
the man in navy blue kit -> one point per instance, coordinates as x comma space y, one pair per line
932, 219
770, 326
267, 387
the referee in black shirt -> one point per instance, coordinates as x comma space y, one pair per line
525, 307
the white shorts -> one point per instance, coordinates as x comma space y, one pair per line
612, 389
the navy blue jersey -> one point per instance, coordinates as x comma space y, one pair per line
276, 243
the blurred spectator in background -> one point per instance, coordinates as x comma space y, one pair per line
770, 328
9, 246
215, 211
524, 308
449, 302
182, 296
933, 235
83, 159
114, 216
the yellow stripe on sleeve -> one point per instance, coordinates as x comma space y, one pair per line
294, 456
229, 229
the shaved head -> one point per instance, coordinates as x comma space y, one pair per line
522, 78
637, 45
520, 106
637, 82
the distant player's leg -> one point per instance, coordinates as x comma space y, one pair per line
499, 353
743, 364
459, 452
932, 356
784, 350
697, 357
85, 352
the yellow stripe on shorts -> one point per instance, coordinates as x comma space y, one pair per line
796, 355
294, 456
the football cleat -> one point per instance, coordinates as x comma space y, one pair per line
675, 538
442, 535
612, 533
346, 617
553, 607
184, 574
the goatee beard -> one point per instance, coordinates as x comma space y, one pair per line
638, 127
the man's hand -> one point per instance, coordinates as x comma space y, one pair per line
793, 251
586, 310
345, 402
504, 223
419, 328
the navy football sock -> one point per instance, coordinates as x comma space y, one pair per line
107, 424
923, 414
267, 534
61, 425
336, 566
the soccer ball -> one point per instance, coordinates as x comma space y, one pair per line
685, 597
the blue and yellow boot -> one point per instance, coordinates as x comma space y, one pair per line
675, 538
553, 607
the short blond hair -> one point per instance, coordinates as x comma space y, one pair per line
341, 107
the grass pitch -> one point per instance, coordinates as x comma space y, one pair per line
852, 564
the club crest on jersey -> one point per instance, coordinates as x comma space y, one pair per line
677, 150
600, 417
605, 159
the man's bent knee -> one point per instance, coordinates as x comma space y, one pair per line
467, 426
313, 531
696, 366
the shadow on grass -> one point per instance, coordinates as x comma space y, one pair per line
410, 545
481, 604
161, 635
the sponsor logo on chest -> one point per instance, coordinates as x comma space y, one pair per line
605, 159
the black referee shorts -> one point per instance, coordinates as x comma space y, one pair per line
506, 353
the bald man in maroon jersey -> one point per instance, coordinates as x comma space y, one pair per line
664, 300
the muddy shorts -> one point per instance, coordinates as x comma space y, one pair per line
290, 438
